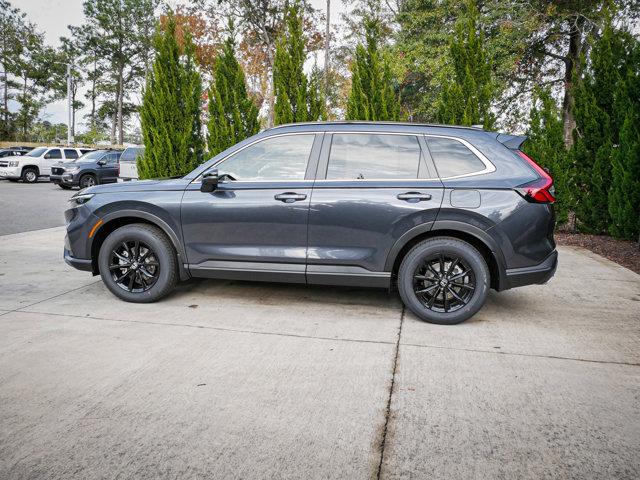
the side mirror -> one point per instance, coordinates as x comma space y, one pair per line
102, 163
209, 181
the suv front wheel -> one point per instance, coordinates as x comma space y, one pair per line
138, 263
443, 280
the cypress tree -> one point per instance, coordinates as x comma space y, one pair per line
467, 99
233, 116
296, 100
624, 195
171, 105
372, 95
598, 128
546, 146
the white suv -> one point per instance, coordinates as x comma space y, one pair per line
37, 163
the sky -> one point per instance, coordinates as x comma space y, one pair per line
53, 16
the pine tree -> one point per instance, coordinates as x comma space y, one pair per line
171, 105
467, 99
233, 116
546, 146
296, 100
372, 95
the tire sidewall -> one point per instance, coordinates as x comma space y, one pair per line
452, 247
166, 258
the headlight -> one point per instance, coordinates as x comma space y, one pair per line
71, 170
81, 198
14, 163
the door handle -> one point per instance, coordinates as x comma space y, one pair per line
290, 197
414, 196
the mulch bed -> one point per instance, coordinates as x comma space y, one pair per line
623, 252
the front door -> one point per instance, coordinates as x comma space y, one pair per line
254, 225
371, 189
53, 156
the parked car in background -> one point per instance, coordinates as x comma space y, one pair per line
36, 163
445, 213
129, 164
94, 168
12, 152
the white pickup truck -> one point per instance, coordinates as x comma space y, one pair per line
37, 163
129, 164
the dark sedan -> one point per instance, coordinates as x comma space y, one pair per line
94, 168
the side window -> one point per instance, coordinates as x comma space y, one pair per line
54, 153
359, 156
70, 153
453, 158
276, 158
111, 159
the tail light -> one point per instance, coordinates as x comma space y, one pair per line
539, 190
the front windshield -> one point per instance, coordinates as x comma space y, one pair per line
36, 152
91, 156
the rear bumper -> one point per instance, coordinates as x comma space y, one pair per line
538, 274
78, 263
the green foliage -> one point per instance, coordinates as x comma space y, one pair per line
372, 95
467, 99
624, 194
546, 146
171, 106
233, 116
598, 125
295, 100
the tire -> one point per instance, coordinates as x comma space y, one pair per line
29, 175
145, 289
427, 268
64, 187
88, 180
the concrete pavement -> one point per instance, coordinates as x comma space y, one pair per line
250, 380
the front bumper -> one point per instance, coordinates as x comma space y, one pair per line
538, 274
78, 263
68, 179
10, 172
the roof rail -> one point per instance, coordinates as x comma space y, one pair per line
366, 122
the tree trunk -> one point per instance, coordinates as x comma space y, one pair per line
327, 42
571, 64
120, 101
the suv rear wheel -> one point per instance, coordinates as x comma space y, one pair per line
30, 175
138, 264
443, 280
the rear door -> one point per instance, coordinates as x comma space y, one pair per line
371, 188
254, 225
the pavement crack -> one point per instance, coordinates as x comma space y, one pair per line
21, 308
385, 429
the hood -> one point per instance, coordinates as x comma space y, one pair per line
140, 186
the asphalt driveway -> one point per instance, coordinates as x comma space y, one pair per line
250, 380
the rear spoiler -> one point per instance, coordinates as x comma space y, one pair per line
512, 142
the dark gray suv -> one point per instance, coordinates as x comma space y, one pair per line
443, 213
93, 168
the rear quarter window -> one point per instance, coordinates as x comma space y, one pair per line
453, 158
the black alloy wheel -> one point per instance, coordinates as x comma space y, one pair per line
443, 280
138, 263
134, 266
444, 283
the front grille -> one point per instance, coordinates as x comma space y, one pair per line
57, 170
4, 163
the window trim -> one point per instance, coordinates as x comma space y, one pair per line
488, 166
311, 161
